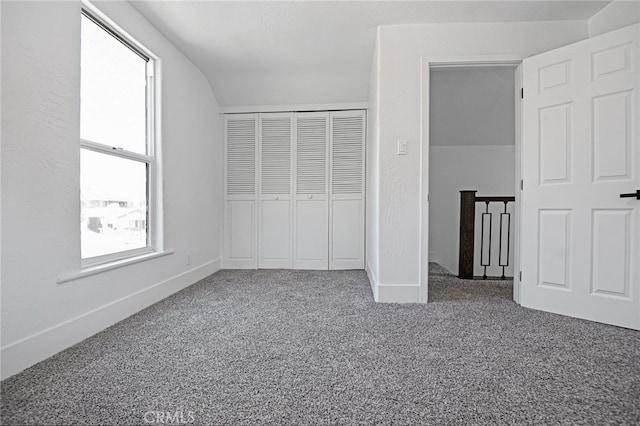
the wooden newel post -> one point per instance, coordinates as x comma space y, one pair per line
467, 234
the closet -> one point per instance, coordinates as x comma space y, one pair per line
294, 190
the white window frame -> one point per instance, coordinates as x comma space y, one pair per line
153, 244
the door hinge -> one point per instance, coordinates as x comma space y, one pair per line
521, 184
520, 276
522, 93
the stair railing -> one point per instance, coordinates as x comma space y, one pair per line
468, 200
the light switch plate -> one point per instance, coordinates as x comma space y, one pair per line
402, 147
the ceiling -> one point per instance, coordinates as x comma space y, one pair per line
313, 52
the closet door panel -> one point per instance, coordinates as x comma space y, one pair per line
347, 233
346, 220
275, 224
240, 196
275, 233
311, 232
240, 220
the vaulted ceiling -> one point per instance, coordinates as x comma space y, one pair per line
313, 52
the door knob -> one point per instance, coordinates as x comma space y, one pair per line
276, 198
635, 195
310, 197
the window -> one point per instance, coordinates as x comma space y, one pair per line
116, 145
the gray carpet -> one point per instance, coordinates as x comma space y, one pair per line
302, 347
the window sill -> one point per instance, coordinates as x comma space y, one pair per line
97, 269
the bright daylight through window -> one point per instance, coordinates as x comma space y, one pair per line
116, 161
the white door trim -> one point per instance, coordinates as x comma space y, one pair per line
423, 263
457, 62
517, 283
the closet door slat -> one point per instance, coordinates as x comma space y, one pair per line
241, 157
311, 165
275, 224
240, 191
276, 155
346, 198
347, 155
311, 229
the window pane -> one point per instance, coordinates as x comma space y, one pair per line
113, 91
114, 204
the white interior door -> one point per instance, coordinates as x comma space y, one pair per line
311, 213
276, 209
346, 214
581, 150
240, 182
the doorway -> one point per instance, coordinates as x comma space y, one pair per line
472, 147
576, 178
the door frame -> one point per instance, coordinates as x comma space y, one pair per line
512, 61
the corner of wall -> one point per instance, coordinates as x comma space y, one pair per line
373, 173
373, 281
29, 351
615, 15
406, 293
31, 301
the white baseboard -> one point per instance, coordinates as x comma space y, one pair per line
385, 293
373, 281
398, 293
239, 264
26, 352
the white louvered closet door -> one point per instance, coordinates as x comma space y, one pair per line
276, 204
346, 218
311, 209
240, 210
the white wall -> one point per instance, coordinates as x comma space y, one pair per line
615, 15
472, 106
488, 169
402, 50
40, 183
372, 186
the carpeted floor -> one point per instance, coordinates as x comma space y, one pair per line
303, 347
